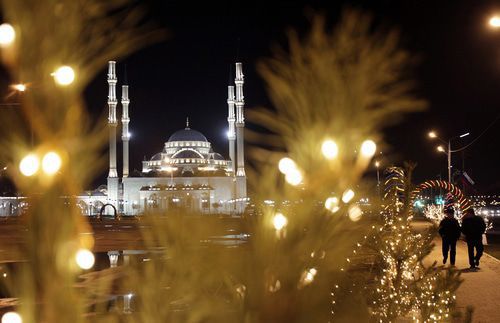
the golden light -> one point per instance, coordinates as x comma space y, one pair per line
329, 149
51, 163
279, 221
64, 75
354, 213
12, 317
286, 165
294, 177
440, 149
332, 204
377, 164
7, 35
29, 165
19, 87
494, 21
432, 134
368, 148
347, 196
308, 276
85, 259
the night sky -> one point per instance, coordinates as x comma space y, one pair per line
187, 74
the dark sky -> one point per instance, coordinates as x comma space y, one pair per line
187, 74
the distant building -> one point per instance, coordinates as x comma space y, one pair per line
187, 173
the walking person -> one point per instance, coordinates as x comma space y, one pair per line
449, 229
473, 227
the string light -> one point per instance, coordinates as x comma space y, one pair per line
355, 213
279, 221
294, 177
29, 165
85, 259
64, 75
51, 163
368, 148
286, 165
347, 196
7, 35
12, 317
332, 204
329, 149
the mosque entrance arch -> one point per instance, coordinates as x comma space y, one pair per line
459, 196
115, 214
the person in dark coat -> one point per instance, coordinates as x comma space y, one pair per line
473, 227
449, 229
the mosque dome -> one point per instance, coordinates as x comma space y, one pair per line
187, 135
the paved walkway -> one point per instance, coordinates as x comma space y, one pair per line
480, 289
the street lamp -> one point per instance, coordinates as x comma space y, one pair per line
494, 21
433, 135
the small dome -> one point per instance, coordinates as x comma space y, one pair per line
186, 154
156, 157
187, 135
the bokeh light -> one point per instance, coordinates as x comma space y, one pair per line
329, 149
12, 317
85, 259
7, 35
294, 177
347, 196
494, 21
332, 204
19, 87
279, 221
51, 163
368, 148
64, 75
29, 165
286, 165
354, 213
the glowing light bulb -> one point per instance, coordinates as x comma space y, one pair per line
286, 165
29, 165
294, 177
355, 213
85, 259
7, 35
308, 276
495, 21
19, 87
432, 134
440, 149
332, 204
12, 317
368, 148
51, 163
329, 149
64, 75
279, 221
347, 196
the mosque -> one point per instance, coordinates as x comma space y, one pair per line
187, 173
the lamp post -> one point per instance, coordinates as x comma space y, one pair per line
433, 135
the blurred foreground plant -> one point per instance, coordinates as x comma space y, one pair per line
57, 48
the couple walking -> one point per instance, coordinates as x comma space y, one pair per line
473, 227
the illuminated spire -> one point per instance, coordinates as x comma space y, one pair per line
187, 123
112, 102
240, 120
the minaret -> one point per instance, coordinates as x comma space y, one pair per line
231, 134
240, 121
125, 133
112, 102
112, 123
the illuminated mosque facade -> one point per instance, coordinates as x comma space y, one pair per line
187, 173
